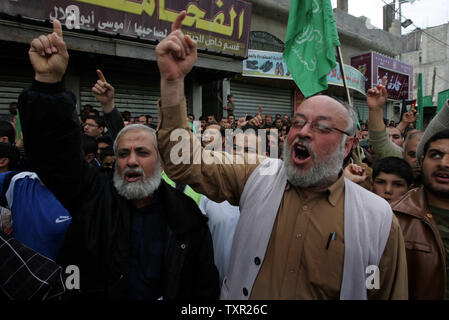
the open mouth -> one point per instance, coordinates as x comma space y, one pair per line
302, 154
133, 176
442, 177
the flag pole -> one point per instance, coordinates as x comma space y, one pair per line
343, 74
345, 84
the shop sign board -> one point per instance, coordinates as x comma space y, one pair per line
221, 26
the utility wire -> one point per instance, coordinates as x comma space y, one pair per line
418, 28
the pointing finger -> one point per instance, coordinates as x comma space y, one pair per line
57, 27
260, 110
178, 22
384, 81
101, 76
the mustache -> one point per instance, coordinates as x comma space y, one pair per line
133, 170
305, 143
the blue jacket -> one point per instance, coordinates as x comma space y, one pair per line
39, 219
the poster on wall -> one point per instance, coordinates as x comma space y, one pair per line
221, 26
399, 75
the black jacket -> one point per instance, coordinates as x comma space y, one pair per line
98, 238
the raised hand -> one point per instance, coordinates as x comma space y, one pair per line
48, 55
377, 96
104, 92
257, 120
177, 53
355, 173
242, 121
410, 116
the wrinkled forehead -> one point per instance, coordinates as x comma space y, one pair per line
323, 106
136, 138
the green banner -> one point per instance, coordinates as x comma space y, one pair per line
443, 96
310, 44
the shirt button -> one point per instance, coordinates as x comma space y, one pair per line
298, 236
429, 216
305, 208
183, 245
245, 292
257, 261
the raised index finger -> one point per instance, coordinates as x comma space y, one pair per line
260, 110
178, 22
384, 81
101, 76
57, 28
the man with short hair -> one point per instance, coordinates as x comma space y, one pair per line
142, 119
230, 106
395, 135
410, 147
94, 126
211, 118
278, 124
304, 231
231, 121
268, 121
132, 236
224, 123
7, 132
423, 214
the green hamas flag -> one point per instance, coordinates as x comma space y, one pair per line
310, 44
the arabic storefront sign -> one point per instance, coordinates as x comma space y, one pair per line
399, 75
267, 64
217, 25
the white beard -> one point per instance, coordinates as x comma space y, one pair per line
321, 174
140, 189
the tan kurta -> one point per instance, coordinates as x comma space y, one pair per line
297, 264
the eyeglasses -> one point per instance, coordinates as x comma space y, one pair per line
319, 126
90, 125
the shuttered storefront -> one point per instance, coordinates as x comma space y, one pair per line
135, 93
248, 98
15, 75
361, 108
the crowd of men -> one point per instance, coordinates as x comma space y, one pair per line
313, 206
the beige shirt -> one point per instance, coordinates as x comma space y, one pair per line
297, 264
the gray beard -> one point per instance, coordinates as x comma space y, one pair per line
321, 174
140, 189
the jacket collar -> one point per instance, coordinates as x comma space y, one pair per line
182, 213
413, 203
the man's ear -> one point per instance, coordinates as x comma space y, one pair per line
348, 145
102, 129
4, 162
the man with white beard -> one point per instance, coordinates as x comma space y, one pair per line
132, 236
304, 231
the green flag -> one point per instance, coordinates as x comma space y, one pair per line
419, 122
310, 44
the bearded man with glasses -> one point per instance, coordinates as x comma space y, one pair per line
305, 232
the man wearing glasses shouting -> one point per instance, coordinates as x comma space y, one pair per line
305, 232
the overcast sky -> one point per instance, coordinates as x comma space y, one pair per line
423, 13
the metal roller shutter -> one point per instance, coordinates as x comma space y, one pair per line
363, 111
134, 93
12, 81
248, 97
